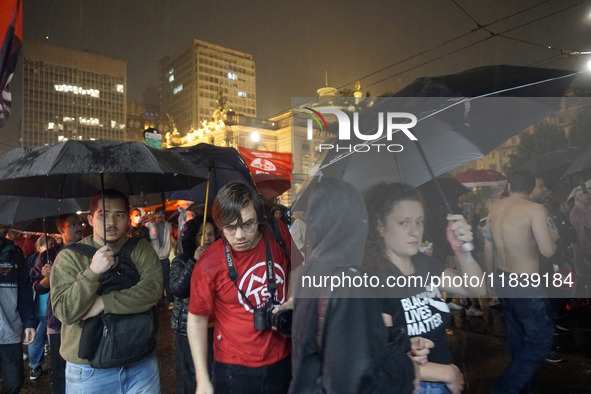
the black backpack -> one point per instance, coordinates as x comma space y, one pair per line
111, 340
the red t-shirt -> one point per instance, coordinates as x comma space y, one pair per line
213, 293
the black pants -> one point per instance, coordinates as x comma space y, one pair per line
238, 379
166, 278
12, 369
58, 365
185, 369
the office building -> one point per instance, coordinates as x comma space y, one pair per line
71, 94
195, 80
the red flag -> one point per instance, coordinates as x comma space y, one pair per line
11, 25
267, 162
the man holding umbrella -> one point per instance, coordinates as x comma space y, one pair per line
75, 280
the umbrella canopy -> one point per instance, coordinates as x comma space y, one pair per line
551, 165
453, 129
451, 187
581, 165
79, 169
27, 213
481, 178
271, 186
224, 165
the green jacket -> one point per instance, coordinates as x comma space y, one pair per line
74, 285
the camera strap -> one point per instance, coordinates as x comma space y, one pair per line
233, 274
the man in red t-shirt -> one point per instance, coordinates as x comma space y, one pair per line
246, 360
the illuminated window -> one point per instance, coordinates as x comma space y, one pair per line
241, 94
177, 89
171, 78
77, 90
232, 76
120, 88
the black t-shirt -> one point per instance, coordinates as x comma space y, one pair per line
423, 311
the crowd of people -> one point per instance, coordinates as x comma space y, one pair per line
243, 317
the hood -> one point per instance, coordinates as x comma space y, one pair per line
336, 225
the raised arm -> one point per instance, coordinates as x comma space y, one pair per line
544, 238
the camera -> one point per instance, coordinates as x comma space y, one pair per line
264, 319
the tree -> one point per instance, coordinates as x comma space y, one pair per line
580, 133
546, 137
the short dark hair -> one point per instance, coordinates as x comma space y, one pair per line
522, 181
60, 221
231, 199
159, 209
109, 194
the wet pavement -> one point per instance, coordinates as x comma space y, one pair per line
478, 347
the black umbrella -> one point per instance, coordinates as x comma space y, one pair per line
222, 166
82, 168
551, 165
452, 128
581, 165
27, 213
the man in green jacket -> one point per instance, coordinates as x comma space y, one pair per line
74, 283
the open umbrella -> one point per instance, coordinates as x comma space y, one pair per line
271, 186
82, 168
551, 165
452, 128
222, 166
16, 211
581, 165
481, 178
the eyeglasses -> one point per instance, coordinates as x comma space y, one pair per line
247, 227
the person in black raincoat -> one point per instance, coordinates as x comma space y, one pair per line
340, 342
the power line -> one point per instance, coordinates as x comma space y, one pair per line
493, 35
479, 27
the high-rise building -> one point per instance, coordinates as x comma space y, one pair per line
71, 94
194, 81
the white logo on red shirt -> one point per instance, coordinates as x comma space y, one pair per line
254, 285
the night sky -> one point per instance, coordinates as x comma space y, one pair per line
294, 42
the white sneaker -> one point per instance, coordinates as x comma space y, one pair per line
473, 311
454, 307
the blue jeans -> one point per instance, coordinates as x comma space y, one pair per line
238, 379
37, 348
433, 388
529, 323
139, 377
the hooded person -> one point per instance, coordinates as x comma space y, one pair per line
342, 324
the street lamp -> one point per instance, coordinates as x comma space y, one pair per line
255, 138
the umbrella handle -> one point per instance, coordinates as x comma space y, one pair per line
467, 247
205, 211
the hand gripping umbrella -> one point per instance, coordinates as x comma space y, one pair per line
82, 168
222, 165
460, 118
